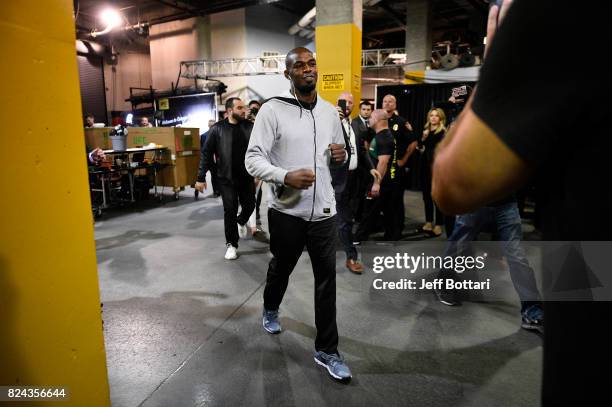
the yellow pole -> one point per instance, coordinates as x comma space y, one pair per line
339, 61
51, 328
414, 77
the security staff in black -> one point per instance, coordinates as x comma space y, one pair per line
381, 195
228, 141
405, 143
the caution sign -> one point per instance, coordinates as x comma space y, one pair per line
163, 104
333, 81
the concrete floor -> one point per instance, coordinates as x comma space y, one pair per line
182, 326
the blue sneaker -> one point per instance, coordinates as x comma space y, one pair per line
533, 318
334, 364
270, 321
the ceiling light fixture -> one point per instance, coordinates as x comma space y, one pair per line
111, 18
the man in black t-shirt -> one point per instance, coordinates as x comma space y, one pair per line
516, 127
227, 141
401, 130
406, 143
381, 194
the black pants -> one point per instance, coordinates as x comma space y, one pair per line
288, 236
347, 203
398, 197
234, 192
576, 361
430, 206
258, 201
214, 180
387, 204
364, 179
449, 225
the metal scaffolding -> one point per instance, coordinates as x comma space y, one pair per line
203, 69
275, 64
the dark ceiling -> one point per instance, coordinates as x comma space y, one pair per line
457, 21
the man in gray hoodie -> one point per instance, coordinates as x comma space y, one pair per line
295, 139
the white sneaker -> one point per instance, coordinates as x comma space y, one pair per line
231, 253
242, 231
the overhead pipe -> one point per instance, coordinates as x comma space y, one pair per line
304, 22
108, 29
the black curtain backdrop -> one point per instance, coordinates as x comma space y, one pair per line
413, 103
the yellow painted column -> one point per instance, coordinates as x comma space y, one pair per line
414, 77
50, 321
338, 47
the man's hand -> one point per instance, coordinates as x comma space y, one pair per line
408, 126
300, 179
376, 175
454, 100
375, 191
200, 186
337, 152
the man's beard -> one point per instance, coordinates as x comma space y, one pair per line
307, 88
238, 118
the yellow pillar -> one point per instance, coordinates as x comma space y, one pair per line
50, 322
338, 46
414, 77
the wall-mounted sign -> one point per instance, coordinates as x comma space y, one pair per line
163, 104
333, 81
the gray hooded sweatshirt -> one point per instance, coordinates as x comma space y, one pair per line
287, 137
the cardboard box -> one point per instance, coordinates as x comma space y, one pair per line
98, 137
184, 171
187, 169
177, 139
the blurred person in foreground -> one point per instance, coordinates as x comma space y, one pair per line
514, 129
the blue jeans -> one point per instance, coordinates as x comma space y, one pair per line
507, 222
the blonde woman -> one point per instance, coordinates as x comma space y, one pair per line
433, 133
